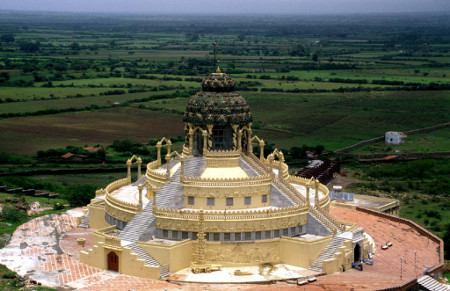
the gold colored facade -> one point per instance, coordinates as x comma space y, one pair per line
216, 202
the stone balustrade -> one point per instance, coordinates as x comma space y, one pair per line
283, 169
323, 219
104, 230
157, 179
336, 223
324, 201
116, 185
256, 163
230, 215
231, 182
222, 154
293, 193
112, 240
117, 208
109, 239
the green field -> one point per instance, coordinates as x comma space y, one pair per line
27, 135
435, 141
70, 79
326, 118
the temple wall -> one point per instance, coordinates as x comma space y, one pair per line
341, 261
315, 227
94, 257
129, 264
301, 253
177, 256
242, 253
97, 217
238, 202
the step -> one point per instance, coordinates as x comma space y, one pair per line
149, 260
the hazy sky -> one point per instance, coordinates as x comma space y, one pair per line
228, 6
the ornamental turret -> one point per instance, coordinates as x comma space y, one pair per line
217, 118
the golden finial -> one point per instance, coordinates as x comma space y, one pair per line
218, 70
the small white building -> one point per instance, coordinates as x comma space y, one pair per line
394, 137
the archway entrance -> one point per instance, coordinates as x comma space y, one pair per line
113, 262
357, 253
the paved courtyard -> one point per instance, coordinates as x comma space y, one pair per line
45, 250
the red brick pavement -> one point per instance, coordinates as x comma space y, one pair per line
67, 271
388, 270
68, 241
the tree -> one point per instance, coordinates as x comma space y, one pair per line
193, 37
9, 37
446, 240
315, 57
4, 77
78, 195
124, 146
75, 46
30, 47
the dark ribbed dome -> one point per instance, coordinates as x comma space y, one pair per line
218, 82
218, 104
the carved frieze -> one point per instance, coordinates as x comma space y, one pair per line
243, 225
242, 253
253, 190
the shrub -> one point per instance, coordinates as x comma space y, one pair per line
433, 214
58, 206
12, 214
9, 275
79, 195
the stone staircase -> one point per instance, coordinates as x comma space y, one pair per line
278, 198
149, 260
140, 222
194, 166
428, 283
249, 170
85, 221
142, 226
327, 253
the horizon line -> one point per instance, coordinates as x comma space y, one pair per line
225, 13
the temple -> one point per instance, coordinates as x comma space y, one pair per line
217, 204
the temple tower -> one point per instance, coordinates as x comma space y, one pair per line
217, 118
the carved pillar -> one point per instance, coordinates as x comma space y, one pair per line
158, 152
149, 192
239, 140
261, 150
129, 171
205, 141
249, 132
316, 196
235, 127
308, 186
139, 162
168, 159
140, 187
200, 254
169, 146
154, 201
210, 136
182, 158
191, 140
272, 174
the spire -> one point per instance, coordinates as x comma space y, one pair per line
214, 44
218, 71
